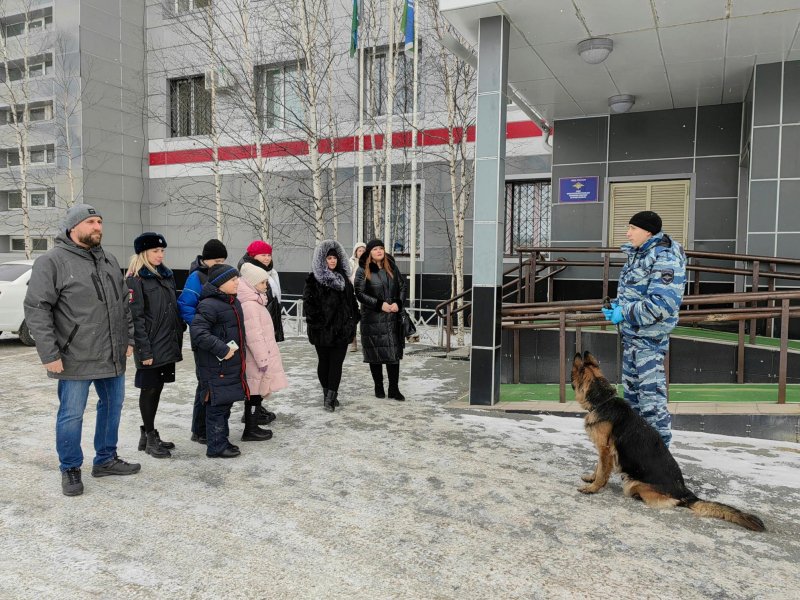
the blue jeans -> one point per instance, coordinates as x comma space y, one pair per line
72, 397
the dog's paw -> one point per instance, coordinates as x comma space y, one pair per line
588, 489
588, 477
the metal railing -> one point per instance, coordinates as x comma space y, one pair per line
573, 315
448, 310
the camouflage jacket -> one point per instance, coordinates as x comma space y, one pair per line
651, 287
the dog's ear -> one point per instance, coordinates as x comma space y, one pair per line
589, 359
577, 362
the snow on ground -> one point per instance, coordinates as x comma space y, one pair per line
380, 499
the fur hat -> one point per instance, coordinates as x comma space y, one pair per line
78, 213
356, 247
219, 274
259, 247
214, 249
647, 220
253, 274
147, 241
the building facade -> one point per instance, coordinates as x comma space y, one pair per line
120, 93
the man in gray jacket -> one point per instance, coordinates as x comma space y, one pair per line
77, 310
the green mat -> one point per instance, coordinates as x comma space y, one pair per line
678, 392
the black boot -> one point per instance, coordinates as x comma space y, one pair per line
166, 445
252, 432
377, 376
330, 400
142, 438
154, 447
394, 377
325, 393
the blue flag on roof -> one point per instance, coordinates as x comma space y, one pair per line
407, 25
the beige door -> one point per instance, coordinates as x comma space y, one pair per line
670, 199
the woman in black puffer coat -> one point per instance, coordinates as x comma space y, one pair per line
381, 289
158, 333
331, 312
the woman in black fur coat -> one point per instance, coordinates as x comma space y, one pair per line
331, 312
381, 289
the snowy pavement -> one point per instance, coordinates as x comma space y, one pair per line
380, 499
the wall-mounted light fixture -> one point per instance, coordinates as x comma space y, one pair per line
595, 50
621, 103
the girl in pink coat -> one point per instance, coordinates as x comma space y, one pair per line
265, 372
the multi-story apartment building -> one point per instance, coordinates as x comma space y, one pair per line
192, 118
132, 80
77, 65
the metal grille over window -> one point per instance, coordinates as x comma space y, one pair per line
400, 228
527, 214
190, 107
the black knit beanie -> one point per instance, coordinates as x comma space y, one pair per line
147, 241
647, 220
214, 249
219, 274
373, 244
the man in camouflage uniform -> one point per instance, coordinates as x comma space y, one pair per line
648, 299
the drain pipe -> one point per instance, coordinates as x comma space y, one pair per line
459, 50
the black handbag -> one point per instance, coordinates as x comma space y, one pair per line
407, 325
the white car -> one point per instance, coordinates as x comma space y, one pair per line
14, 277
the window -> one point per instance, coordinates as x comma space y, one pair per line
378, 85
15, 29
9, 158
190, 107
527, 211
35, 24
184, 6
670, 199
41, 155
280, 98
40, 244
36, 198
38, 66
36, 155
399, 242
41, 112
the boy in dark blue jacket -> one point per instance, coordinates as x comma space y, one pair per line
217, 333
214, 253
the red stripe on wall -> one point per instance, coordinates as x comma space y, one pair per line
400, 139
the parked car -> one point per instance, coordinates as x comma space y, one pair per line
14, 277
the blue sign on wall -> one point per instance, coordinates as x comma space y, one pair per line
578, 189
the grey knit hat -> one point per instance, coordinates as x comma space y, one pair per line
77, 213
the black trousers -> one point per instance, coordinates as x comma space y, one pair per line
329, 367
392, 370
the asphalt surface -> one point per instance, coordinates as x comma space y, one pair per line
380, 499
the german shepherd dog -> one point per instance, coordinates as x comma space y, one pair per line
625, 442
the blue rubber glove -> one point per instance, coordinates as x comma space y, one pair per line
608, 313
616, 315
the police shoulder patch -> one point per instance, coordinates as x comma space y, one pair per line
667, 275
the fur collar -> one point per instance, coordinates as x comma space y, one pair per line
332, 279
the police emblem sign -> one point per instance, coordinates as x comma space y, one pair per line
578, 189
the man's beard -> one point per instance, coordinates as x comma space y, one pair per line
91, 239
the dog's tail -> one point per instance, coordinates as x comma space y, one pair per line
717, 510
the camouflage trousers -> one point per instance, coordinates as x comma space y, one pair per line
644, 382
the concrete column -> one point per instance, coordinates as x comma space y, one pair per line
488, 219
